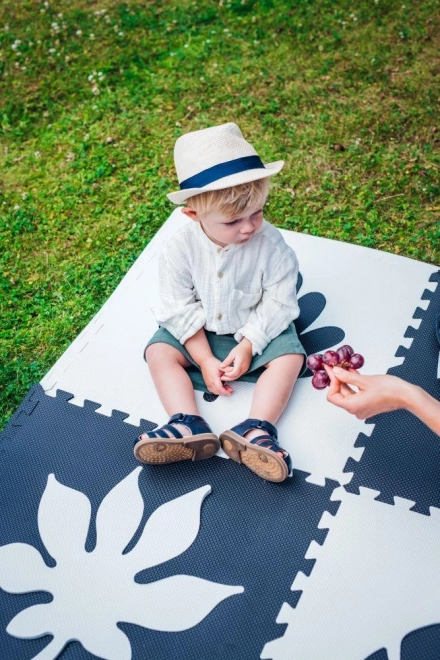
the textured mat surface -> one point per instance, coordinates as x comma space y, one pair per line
205, 560
253, 535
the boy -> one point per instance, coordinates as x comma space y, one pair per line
228, 301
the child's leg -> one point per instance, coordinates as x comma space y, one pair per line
273, 389
173, 385
186, 436
254, 441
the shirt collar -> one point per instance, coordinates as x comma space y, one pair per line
210, 245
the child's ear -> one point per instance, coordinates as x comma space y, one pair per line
191, 213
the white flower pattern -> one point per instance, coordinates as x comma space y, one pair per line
93, 591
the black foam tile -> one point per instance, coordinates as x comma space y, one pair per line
402, 456
253, 533
421, 644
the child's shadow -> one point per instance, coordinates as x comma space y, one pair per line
311, 306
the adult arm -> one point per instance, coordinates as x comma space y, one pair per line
379, 394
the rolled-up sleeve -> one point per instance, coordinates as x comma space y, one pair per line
180, 312
277, 308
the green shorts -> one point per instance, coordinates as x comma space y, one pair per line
221, 345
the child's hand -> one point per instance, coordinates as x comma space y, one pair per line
213, 376
240, 357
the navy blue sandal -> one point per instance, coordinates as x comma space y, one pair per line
261, 454
157, 447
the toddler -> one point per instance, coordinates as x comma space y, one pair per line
228, 301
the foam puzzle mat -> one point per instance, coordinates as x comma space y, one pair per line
101, 557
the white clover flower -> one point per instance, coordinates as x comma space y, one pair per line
52, 50
94, 591
17, 207
79, 33
121, 34
91, 36
95, 90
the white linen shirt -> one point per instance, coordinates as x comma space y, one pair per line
247, 290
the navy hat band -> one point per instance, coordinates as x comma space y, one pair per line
221, 170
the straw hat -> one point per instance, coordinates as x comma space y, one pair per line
216, 158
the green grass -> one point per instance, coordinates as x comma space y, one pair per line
92, 101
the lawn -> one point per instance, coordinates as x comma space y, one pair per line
94, 94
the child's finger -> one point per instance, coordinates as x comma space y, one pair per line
229, 359
219, 387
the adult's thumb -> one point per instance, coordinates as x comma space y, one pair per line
351, 377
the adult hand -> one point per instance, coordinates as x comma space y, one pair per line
213, 376
374, 394
238, 361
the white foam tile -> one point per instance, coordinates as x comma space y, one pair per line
375, 580
371, 295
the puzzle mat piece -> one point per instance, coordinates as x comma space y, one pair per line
375, 580
402, 456
253, 535
422, 644
371, 295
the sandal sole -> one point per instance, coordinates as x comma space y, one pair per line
264, 462
160, 451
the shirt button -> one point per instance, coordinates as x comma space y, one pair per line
219, 317
219, 249
220, 274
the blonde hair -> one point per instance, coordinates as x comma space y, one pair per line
231, 201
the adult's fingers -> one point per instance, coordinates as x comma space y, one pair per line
346, 390
335, 385
352, 377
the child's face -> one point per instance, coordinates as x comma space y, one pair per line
224, 230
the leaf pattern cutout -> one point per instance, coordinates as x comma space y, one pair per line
93, 591
314, 341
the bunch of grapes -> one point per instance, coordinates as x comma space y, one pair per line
344, 357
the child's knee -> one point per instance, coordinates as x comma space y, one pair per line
290, 362
160, 353
156, 352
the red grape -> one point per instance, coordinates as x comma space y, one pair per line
314, 362
344, 353
320, 380
356, 361
330, 358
